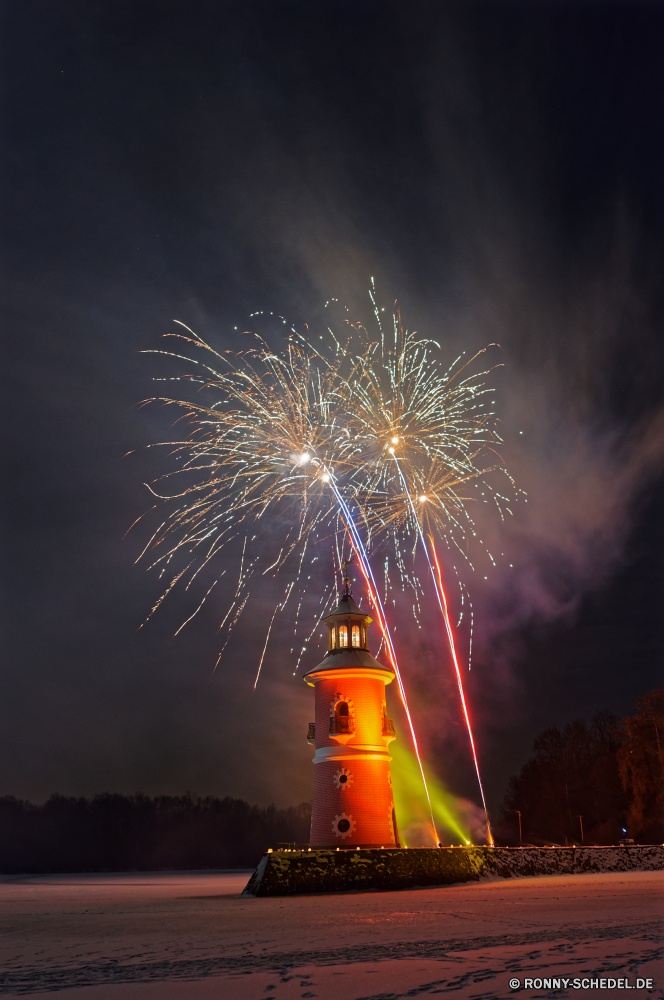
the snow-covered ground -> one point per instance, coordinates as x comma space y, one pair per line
193, 937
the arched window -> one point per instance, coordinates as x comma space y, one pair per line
333, 638
343, 635
341, 719
355, 635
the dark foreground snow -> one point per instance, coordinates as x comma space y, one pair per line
193, 937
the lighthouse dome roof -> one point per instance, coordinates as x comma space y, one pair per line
349, 659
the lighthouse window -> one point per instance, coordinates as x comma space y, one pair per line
333, 638
342, 708
343, 826
355, 635
343, 635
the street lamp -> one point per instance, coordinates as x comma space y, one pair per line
518, 812
581, 823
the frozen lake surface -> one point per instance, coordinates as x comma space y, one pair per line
191, 936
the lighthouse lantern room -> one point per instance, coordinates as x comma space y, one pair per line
353, 801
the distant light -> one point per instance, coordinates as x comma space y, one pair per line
304, 458
395, 440
422, 499
391, 451
326, 478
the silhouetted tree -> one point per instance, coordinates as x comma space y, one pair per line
573, 772
135, 832
610, 771
641, 768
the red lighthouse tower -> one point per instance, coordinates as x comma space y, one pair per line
353, 802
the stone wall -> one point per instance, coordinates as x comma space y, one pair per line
286, 873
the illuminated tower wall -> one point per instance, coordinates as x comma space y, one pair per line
353, 802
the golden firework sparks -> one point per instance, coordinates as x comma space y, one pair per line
373, 431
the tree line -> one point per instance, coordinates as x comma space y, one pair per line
595, 782
139, 833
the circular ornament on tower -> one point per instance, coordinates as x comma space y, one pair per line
343, 778
343, 826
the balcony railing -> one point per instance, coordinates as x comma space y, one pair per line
341, 725
388, 728
311, 732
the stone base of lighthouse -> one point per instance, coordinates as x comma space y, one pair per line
293, 872
354, 804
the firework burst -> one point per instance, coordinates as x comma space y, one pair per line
257, 436
362, 436
441, 426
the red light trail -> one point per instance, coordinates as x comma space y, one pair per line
442, 602
374, 597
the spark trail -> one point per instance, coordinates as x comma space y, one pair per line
374, 597
442, 602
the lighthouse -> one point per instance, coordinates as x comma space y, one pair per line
353, 802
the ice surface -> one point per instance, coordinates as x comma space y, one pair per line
193, 937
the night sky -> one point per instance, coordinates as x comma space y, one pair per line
497, 168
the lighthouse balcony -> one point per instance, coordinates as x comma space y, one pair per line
341, 725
